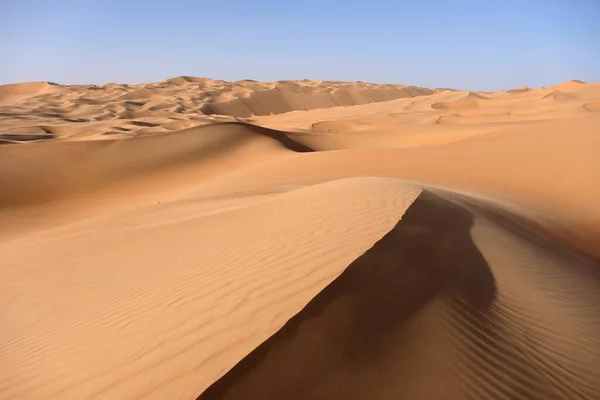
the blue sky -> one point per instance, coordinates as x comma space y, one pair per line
465, 44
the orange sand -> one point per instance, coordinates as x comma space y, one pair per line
299, 240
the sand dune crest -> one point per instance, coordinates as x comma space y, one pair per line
471, 100
284, 255
521, 89
18, 91
558, 95
574, 84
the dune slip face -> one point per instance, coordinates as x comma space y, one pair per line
195, 238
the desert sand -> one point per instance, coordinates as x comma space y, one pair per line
195, 238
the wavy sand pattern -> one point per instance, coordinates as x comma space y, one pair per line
195, 238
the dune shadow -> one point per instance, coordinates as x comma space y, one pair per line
277, 135
340, 342
20, 138
280, 136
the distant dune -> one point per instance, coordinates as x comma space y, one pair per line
569, 85
521, 89
161, 106
18, 91
196, 238
471, 100
558, 95
290, 97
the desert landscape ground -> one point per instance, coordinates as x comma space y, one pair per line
196, 238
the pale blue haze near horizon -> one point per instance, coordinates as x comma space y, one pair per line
472, 45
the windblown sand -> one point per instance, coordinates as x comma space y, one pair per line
299, 240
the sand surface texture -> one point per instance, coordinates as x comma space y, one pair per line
195, 238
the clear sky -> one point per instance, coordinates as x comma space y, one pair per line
464, 44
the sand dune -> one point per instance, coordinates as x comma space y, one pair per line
518, 90
471, 100
19, 91
443, 306
289, 97
373, 242
208, 288
574, 84
92, 111
558, 95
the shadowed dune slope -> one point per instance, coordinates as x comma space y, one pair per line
42, 173
521, 89
472, 100
431, 312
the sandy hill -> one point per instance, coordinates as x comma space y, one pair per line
471, 100
437, 245
519, 90
569, 85
15, 92
114, 110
